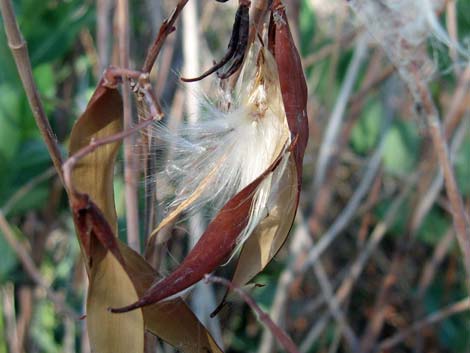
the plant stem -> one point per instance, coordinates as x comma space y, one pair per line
30, 267
130, 165
424, 100
20, 54
281, 336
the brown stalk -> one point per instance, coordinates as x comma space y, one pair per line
30, 267
19, 50
8, 306
130, 165
458, 307
94, 144
281, 336
166, 29
103, 9
461, 223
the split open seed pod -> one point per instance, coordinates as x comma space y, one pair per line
256, 153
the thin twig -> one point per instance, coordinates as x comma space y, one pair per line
20, 54
281, 336
29, 266
348, 212
103, 11
300, 241
26, 188
130, 165
458, 307
166, 29
423, 98
334, 307
70, 163
359, 263
334, 124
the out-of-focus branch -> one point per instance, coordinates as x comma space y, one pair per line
424, 100
281, 336
359, 263
103, 9
334, 307
26, 188
130, 165
30, 267
20, 54
334, 124
8, 308
458, 307
166, 29
346, 215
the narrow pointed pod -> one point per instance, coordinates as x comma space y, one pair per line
262, 212
270, 235
292, 80
216, 244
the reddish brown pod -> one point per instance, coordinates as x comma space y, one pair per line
279, 72
292, 80
272, 232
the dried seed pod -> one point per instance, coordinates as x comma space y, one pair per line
247, 159
272, 231
263, 209
236, 48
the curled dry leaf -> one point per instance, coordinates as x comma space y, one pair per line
117, 274
261, 213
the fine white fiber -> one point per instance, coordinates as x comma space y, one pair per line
401, 27
226, 149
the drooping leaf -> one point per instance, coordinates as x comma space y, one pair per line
93, 174
117, 274
96, 223
171, 320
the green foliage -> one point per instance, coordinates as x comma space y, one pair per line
8, 260
366, 132
401, 147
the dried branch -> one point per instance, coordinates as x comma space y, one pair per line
26, 188
424, 100
283, 339
20, 54
458, 307
130, 165
166, 29
334, 124
334, 307
348, 212
28, 264
70, 163
359, 263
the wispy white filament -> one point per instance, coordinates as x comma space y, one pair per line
223, 152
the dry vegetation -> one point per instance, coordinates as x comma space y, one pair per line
378, 259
